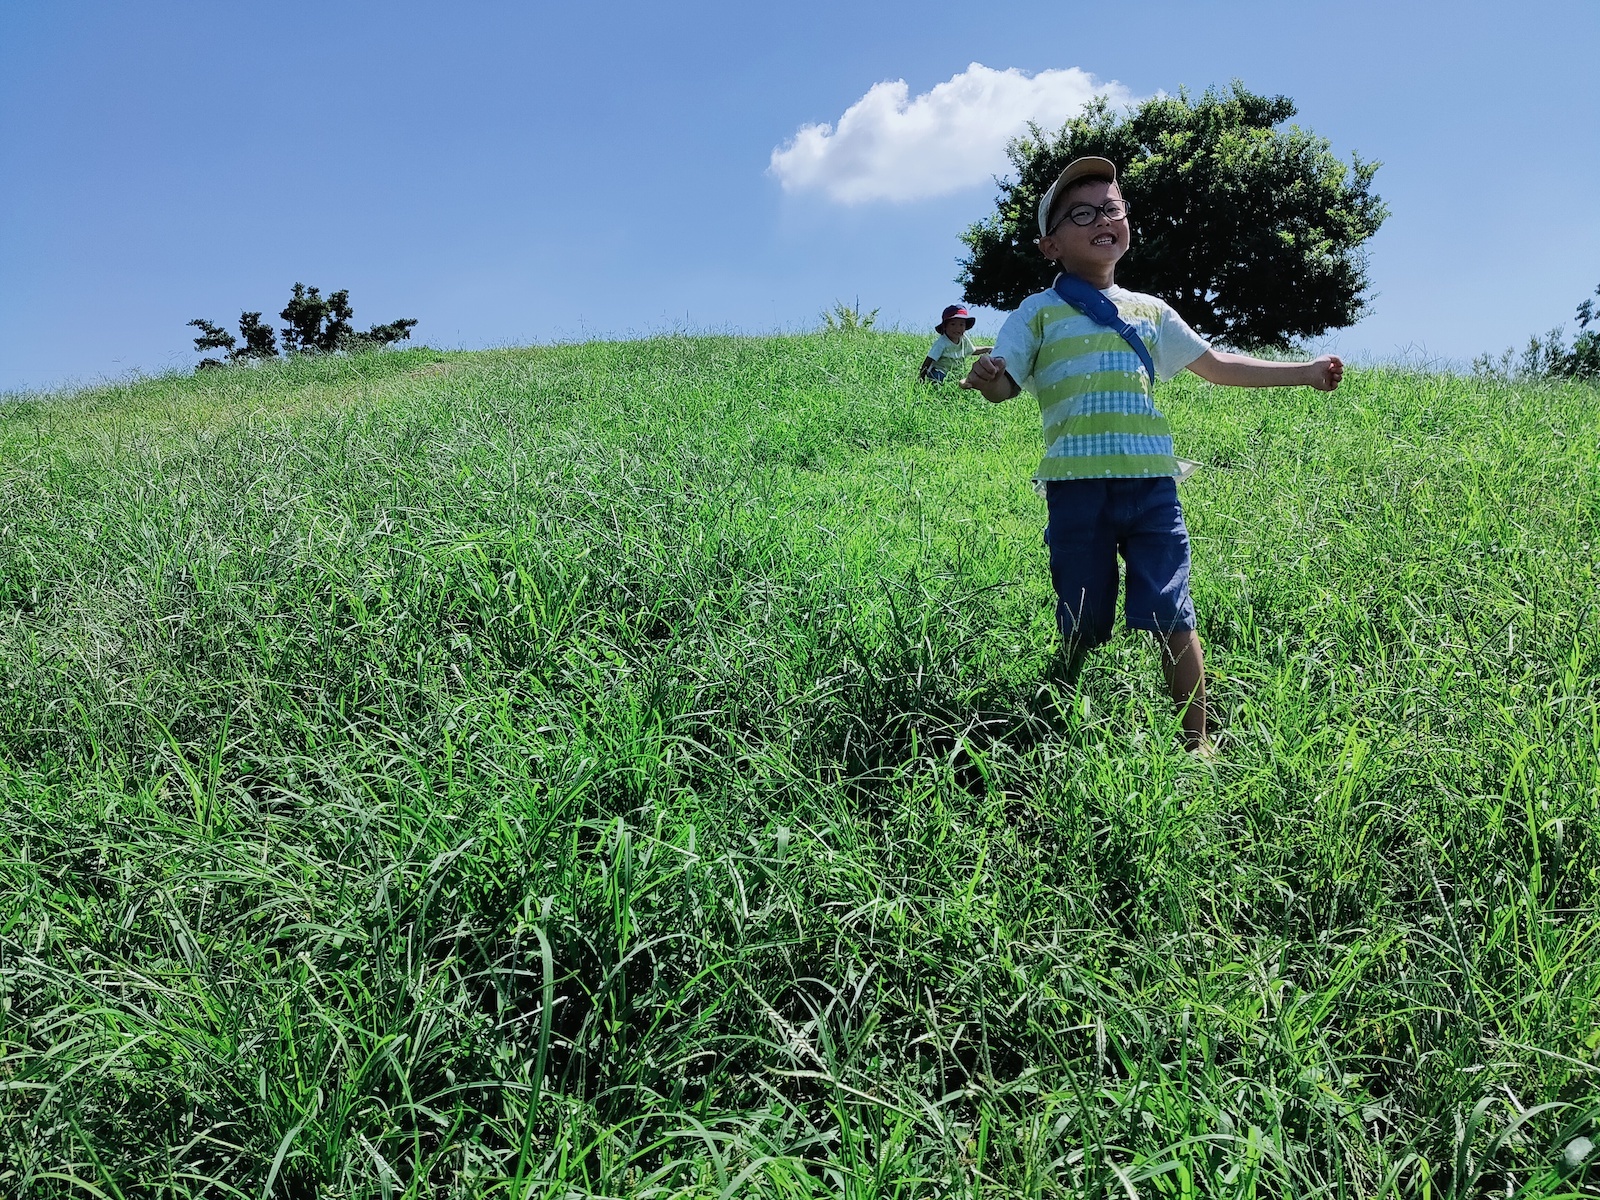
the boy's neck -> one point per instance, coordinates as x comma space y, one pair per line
1099, 276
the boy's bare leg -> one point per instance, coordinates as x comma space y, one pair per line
1183, 664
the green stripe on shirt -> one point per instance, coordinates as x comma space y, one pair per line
1133, 383
1121, 466
1083, 424
1100, 342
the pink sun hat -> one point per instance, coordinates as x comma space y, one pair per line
954, 310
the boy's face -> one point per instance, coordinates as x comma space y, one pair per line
1096, 246
954, 328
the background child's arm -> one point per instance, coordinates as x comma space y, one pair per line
1240, 370
922, 372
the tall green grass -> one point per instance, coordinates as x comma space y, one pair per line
632, 769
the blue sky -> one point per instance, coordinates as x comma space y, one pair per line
513, 173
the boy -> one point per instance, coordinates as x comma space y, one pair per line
1108, 470
950, 350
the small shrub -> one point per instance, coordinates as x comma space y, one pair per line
259, 340
315, 326
1550, 357
843, 318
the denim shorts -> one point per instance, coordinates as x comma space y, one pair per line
1092, 521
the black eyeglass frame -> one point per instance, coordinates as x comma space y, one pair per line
1094, 210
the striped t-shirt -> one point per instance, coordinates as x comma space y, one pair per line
1095, 398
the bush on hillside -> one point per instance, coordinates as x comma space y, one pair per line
843, 318
315, 326
259, 339
1550, 356
1252, 231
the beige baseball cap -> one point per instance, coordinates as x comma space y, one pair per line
1070, 174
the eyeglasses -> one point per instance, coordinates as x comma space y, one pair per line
1084, 214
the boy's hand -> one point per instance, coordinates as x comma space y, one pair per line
985, 370
989, 379
1325, 373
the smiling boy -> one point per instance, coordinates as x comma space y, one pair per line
1091, 352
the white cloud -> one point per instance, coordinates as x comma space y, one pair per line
890, 147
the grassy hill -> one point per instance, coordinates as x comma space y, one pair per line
630, 769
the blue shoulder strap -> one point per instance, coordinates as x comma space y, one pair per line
1094, 304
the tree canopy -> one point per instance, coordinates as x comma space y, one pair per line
1252, 231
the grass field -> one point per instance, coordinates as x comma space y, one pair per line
630, 769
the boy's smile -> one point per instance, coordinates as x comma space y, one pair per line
1089, 251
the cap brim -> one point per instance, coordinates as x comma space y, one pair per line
1070, 174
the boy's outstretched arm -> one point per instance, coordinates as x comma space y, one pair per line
988, 377
1240, 370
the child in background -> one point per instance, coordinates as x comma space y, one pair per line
1091, 353
947, 357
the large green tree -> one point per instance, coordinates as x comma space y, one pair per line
1253, 231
